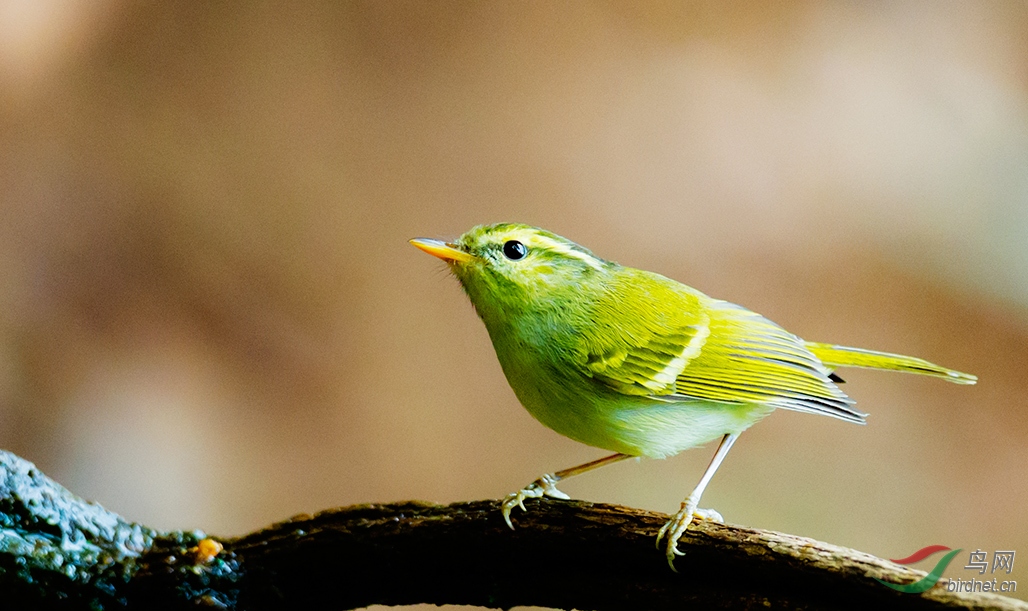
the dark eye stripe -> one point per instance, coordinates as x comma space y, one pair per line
514, 250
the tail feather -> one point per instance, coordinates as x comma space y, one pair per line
842, 356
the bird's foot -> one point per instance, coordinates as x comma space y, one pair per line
544, 486
708, 514
671, 532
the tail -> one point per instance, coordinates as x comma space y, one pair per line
841, 356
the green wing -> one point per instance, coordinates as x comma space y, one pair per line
676, 345
650, 365
748, 358
633, 342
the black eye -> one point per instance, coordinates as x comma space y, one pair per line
514, 250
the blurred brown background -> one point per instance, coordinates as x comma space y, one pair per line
210, 316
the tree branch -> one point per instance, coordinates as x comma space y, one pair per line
58, 551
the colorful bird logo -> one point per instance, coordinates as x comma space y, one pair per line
928, 580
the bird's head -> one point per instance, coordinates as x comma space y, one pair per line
507, 268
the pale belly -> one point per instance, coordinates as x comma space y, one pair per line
634, 425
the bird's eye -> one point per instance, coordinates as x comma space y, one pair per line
514, 250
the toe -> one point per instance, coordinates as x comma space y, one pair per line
671, 563
709, 514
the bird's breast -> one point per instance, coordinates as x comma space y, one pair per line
553, 389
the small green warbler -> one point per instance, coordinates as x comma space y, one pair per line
636, 363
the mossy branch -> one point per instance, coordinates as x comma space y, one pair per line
58, 551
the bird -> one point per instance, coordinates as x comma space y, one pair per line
636, 363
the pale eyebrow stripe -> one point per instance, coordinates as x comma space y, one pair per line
564, 249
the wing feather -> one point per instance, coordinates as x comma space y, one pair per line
650, 367
748, 358
644, 345
703, 349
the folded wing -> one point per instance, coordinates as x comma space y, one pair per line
748, 358
708, 350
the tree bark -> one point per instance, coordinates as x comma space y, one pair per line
58, 551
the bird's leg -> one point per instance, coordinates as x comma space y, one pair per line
547, 485
676, 526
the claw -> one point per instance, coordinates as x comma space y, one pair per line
662, 532
672, 531
512, 500
544, 486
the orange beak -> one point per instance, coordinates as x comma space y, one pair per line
447, 252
